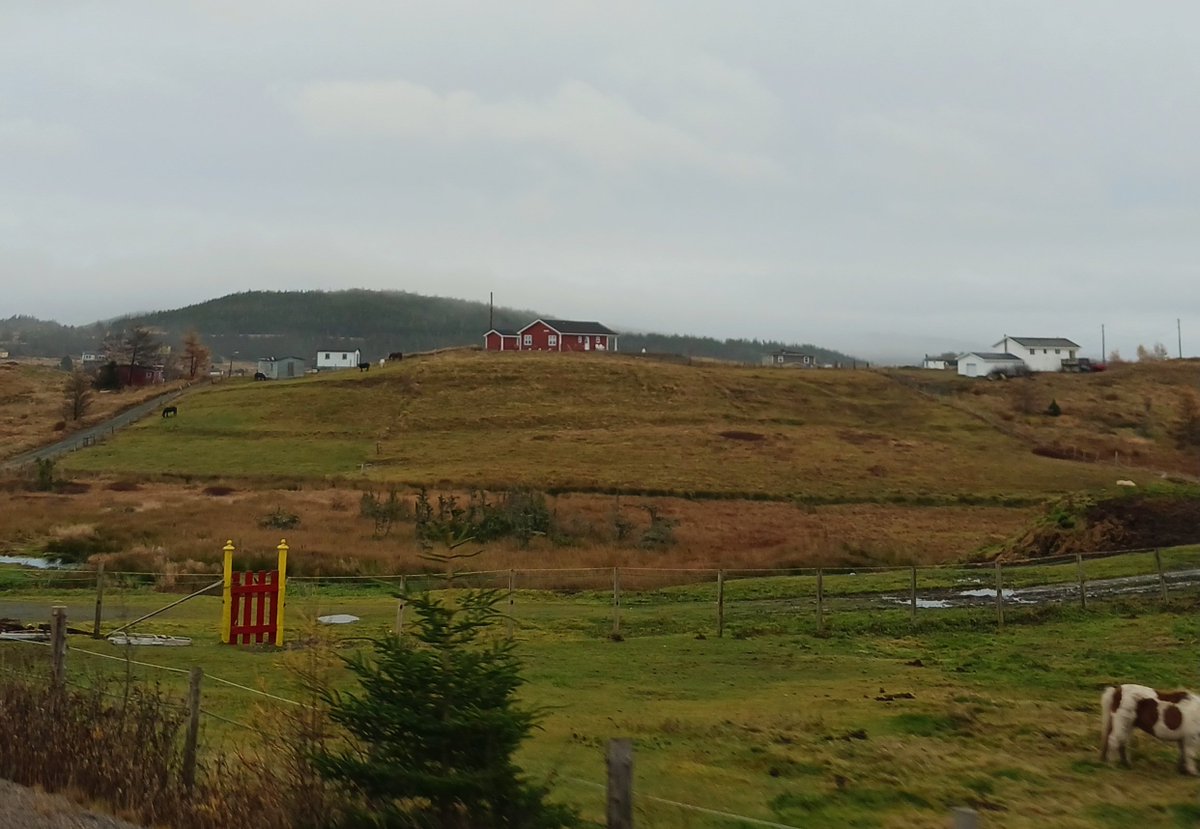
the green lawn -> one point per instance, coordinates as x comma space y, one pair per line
769, 721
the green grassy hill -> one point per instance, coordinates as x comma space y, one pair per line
601, 423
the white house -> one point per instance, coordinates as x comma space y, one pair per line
1040, 353
330, 360
983, 363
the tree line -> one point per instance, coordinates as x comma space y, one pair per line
299, 323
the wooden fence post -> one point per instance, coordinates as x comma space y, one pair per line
99, 599
1082, 581
720, 603
965, 818
1162, 579
512, 586
999, 597
620, 784
58, 646
193, 728
913, 613
616, 631
820, 601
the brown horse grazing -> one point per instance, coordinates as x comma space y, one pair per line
396, 355
170, 411
1172, 716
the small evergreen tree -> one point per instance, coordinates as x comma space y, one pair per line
435, 726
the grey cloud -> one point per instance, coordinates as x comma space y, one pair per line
867, 175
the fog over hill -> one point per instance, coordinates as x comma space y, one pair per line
279, 323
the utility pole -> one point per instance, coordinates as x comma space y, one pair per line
491, 311
1103, 350
1179, 334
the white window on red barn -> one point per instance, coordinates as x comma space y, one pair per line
527, 339
552, 339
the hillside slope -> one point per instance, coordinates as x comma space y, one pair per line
601, 423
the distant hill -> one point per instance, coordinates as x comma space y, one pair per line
281, 323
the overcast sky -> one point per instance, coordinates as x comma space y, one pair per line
884, 178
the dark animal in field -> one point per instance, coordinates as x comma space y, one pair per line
1172, 716
170, 411
258, 375
364, 366
396, 355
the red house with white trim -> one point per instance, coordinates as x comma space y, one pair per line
553, 335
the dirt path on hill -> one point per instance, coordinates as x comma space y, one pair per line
22, 808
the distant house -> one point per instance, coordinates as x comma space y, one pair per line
939, 363
1040, 353
554, 335
281, 368
332, 360
790, 359
501, 339
983, 363
139, 375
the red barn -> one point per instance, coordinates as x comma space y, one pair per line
501, 339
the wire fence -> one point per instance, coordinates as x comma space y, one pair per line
559, 603
645, 601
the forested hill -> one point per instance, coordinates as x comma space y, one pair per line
281, 323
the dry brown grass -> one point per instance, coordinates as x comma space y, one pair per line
31, 400
1127, 415
171, 526
591, 423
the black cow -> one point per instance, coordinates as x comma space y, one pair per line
396, 355
258, 375
170, 411
364, 366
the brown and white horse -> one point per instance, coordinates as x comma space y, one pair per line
1172, 716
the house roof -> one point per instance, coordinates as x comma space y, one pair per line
1041, 342
575, 327
995, 356
503, 332
277, 359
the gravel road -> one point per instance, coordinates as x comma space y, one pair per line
22, 808
87, 437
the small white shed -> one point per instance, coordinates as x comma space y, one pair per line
983, 363
331, 359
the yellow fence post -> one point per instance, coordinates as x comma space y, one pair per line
227, 594
280, 599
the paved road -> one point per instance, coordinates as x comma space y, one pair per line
90, 435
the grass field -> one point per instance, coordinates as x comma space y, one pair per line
880, 723
579, 423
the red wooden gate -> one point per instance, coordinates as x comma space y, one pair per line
252, 617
